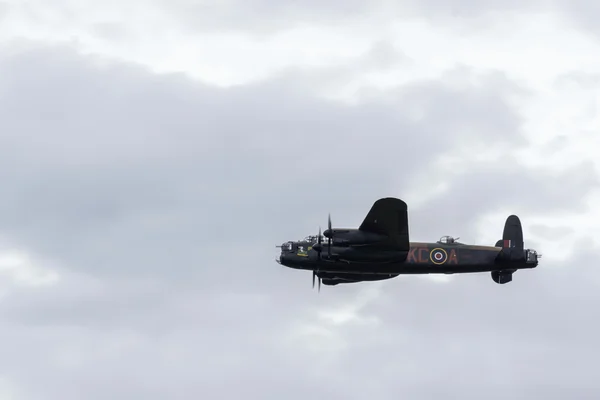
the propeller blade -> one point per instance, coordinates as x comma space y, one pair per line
330, 236
319, 285
314, 279
318, 247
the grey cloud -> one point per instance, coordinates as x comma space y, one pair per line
161, 201
584, 13
262, 16
472, 8
505, 184
110, 31
384, 55
266, 16
130, 158
381, 56
550, 232
537, 330
3, 10
580, 79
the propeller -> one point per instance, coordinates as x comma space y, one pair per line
315, 275
319, 242
330, 236
318, 247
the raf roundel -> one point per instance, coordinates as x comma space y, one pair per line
438, 256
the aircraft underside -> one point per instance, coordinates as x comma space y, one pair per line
370, 273
332, 279
361, 268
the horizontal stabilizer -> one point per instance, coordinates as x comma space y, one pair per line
502, 277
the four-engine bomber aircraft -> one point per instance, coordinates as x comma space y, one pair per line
380, 249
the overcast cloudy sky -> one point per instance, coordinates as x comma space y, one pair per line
153, 153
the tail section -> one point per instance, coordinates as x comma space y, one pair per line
512, 249
512, 241
513, 233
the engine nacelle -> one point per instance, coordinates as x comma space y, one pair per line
348, 237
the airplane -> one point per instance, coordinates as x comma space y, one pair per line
380, 249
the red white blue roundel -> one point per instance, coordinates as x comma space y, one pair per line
438, 256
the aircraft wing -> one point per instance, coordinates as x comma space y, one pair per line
389, 216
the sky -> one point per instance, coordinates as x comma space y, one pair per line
153, 153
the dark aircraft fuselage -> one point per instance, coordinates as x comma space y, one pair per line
380, 249
422, 258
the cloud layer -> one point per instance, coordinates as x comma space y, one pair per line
140, 213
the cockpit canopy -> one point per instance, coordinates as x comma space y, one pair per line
308, 240
313, 238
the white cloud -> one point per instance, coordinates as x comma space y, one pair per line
156, 39
19, 269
